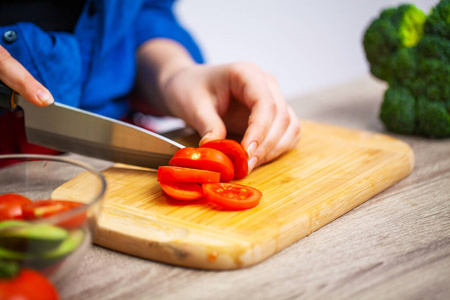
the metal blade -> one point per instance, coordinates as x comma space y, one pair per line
70, 129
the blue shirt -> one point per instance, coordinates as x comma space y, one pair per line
95, 67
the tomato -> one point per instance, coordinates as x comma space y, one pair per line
235, 152
185, 191
191, 170
47, 208
11, 206
27, 284
167, 173
232, 196
204, 159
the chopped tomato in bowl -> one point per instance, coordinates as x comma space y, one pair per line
47, 208
11, 206
16, 283
44, 234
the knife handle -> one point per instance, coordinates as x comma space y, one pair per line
6, 97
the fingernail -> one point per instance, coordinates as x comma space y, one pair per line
251, 149
205, 137
252, 163
44, 96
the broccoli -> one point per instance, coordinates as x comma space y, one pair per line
411, 52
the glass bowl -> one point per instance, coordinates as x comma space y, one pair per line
53, 231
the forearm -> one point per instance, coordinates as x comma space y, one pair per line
158, 60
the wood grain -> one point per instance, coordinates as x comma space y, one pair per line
394, 246
331, 171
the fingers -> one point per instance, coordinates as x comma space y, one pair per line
248, 85
284, 132
14, 75
287, 141
273, 127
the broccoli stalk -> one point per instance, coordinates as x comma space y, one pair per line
411, 52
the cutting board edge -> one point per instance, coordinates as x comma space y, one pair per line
179, 253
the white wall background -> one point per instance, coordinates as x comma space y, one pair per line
307, 45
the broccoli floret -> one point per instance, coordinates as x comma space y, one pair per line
439, 20
433, 118
398, 111
411, 52
396, 28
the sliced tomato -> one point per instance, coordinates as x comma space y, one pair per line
235, 152
204, 159
185, 191
11, 206
46, 208
232, 196
167, 173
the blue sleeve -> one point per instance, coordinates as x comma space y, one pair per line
53, 58
157, 20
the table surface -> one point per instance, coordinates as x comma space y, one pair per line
394, 246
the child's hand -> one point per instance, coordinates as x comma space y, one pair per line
15, 76
234, 98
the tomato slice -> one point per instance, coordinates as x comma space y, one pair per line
46, 208
235, 152
185, 191
232, 196
167, 173
204, 159
11, 206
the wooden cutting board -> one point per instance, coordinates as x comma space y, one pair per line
331, 171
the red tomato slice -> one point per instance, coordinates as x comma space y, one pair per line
46, 208
185, 191
11, 206
167, 173
232, 196
235, 152
204, 159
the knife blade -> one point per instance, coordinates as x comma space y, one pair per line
70, 129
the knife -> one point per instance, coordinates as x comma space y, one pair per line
70, 129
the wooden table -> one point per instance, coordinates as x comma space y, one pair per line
394, 246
